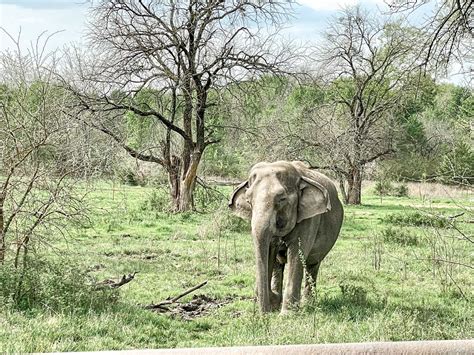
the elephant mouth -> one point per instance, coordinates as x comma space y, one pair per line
280, 223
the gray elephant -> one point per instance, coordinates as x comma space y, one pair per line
296, 217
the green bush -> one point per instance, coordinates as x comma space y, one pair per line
208, 198
157, 201
53, 286
457, 166
387, 188
383, 187
400, 190
399, 236
356, 288
417, 219
129, 177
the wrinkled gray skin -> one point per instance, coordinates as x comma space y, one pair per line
295, 216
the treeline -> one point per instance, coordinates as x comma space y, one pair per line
429, 136
199, 90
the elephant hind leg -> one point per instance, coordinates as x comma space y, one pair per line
277, 285
311, 275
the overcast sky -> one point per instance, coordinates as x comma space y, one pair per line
69, 16
36, 16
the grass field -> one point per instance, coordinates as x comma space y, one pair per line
390, 276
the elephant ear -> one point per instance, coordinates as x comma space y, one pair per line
238, 202
314, 199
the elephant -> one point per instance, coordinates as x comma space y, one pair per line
296, 217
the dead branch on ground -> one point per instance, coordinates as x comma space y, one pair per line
115, 284
169, 301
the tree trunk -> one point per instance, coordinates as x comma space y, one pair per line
342, 187
2, 233
174, 181
355, 187
188, 182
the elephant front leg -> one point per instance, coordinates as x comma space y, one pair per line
310, 284
292, 294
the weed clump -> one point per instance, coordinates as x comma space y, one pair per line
399, 236
57, 286
157, 201
417, 219
387, 188
356, 289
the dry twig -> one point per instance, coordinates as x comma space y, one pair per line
115, 284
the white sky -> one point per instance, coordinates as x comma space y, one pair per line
36, 16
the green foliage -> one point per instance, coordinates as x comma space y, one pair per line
356, 288
157, 201
129, 177
417, 219
52, 285
401, 190
383, 187
399, 236
458, 165
207, 198
387, 188
306, 95
222, 161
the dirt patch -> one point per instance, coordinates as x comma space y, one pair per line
200, 305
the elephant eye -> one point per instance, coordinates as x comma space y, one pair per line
281, 200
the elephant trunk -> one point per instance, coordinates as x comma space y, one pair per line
262, 227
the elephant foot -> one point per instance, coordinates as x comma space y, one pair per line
275, 301
289, 308
285, 312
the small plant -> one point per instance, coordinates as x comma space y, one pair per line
400, 190
399, 236
156, 202
356, 289
129, 177
418, 219
387, 188
377, 251
383, 187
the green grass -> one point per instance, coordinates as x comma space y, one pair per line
408, 296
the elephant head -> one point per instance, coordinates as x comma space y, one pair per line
275, 198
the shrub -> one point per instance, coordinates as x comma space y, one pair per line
386, 188
383, 187
53, 286
400, 190
208, 198
399, 236
356, 288
417, 219
157, 201
129, 177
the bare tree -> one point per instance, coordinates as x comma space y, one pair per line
449, 30
367, 68
37, 190
182, 53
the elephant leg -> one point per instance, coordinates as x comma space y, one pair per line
292, 294
277, 285
310, 284
274, 272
